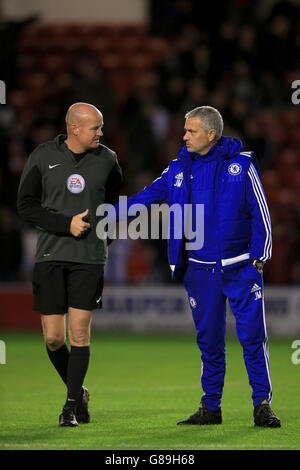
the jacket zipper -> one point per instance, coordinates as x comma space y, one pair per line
216, 194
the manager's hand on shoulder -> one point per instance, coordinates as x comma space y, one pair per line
78, 226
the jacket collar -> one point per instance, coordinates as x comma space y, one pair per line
225, 147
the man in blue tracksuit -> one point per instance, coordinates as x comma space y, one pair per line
215, 172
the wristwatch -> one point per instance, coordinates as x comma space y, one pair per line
258, 264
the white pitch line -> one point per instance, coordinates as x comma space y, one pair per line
132, 445
148, 389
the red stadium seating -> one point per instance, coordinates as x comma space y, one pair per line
124, 52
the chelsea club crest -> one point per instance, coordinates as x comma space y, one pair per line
234, 169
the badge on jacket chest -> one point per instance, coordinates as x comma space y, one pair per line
234, 169
75, 183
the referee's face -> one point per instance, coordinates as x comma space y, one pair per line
89, 130
197, 139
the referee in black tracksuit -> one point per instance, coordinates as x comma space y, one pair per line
62, 184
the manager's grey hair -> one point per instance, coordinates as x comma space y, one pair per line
210, 117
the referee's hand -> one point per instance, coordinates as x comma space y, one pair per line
78, 227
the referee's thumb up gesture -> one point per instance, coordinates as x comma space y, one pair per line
78, 226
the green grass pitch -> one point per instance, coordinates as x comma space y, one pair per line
140, 386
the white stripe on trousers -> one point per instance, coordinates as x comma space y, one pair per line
264, 211
265, 346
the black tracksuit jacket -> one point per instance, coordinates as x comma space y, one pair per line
54, 187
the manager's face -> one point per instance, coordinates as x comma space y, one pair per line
197, 139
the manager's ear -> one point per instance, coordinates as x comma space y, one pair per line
211, 135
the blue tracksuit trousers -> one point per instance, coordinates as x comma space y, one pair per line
208, 289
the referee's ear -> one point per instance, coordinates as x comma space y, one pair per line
75, 129
72, 129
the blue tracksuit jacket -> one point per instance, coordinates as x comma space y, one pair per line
236, 218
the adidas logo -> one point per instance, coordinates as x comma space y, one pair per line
255, 288
179, 179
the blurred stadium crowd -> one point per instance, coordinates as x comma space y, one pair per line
239, 56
